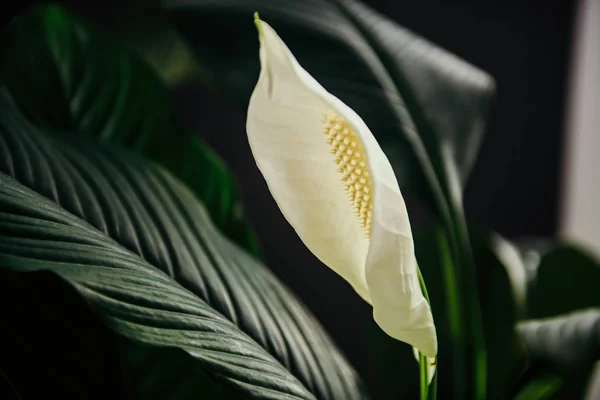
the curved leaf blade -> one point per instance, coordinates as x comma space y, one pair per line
566, 346
131, 297
566, 279
566, 342
138, 220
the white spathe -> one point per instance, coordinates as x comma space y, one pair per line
285, 131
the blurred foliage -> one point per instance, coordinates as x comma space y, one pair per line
566, 278
90, 85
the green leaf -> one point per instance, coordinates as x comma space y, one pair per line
565, 279
567, 345
66, 75
143, 253
567, 342
550, 278
426, 107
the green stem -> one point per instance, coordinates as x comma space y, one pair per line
423, 377
427, 391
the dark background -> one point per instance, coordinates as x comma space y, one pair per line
514, 187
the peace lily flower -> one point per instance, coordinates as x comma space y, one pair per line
336, 187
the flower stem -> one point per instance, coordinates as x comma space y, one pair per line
423, 377
427, 391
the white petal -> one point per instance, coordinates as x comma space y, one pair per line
399, 307
285, 134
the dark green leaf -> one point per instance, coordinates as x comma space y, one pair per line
66, 75
549, 279
143, 253
567, 342
566, 346
564, 279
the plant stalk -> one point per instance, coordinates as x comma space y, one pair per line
426, 390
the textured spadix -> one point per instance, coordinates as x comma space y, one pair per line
336, 187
